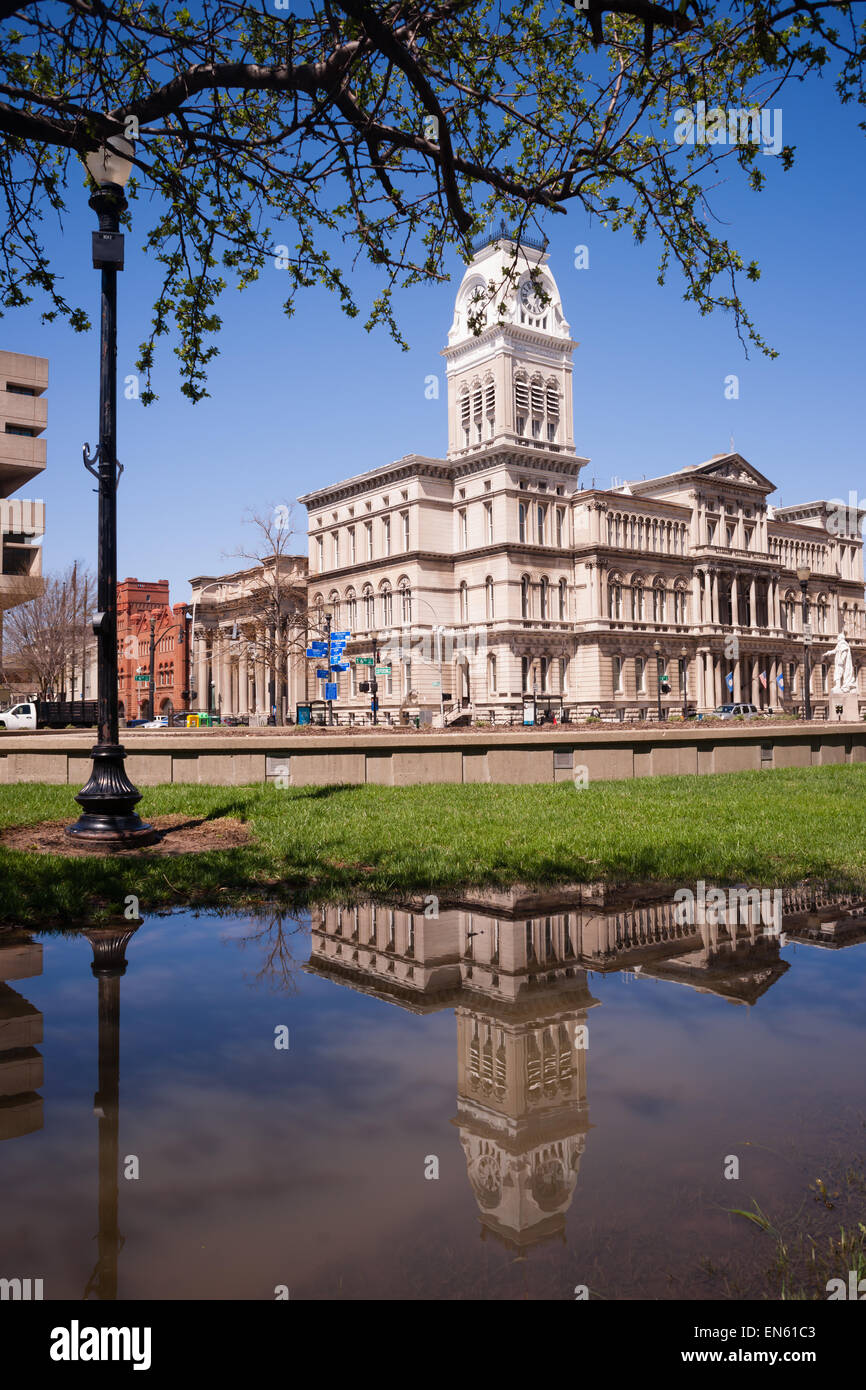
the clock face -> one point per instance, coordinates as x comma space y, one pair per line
530, 300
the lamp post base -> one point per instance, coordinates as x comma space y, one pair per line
108, 800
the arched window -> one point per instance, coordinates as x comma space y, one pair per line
369, 607
488, 593
464, 602
543, 588
536, 394
490, 404
614, 597
521, 402
658, 602
334, 606
638, 612
552, 400
405, 601
679, 602
465, 414
524, 596
387, 604
477, 411
563, 599
351, 610
491, 674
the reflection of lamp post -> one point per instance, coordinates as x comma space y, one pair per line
804, 574
684, 670
108, 799
109, 964
657, 648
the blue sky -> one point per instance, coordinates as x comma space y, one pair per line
301, 402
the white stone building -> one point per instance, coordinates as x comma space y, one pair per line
499, 567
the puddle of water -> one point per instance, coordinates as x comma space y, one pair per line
508, 1096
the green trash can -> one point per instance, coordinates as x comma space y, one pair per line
205, 721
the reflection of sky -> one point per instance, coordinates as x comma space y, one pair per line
261, 1167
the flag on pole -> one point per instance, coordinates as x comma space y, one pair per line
780, 681
762, 677
729, 680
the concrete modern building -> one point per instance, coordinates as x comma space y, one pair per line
249, 636
495, 572
23, 417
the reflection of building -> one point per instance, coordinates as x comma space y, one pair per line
544, 581
514, 965
815, 917
21, 1071
521, 1041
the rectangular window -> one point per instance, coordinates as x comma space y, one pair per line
368, 527
563, 675
542, 519
491, 674
407, 678
521, 521
320, 552
545, 667
336, 539
640, 675
351, 545
617, 675
386, 534
524, 673
560, 526
464, 530
488, 517
405, 530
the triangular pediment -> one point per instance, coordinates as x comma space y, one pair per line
733, 468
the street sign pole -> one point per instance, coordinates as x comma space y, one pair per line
374, 684
330, 702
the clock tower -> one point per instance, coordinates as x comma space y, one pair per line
508, 359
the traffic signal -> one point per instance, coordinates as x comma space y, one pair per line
364, 687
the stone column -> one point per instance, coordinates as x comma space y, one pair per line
714, 596
201, 671
259, 683
738, 679
735, 600
756, 684
753, 594
243, 683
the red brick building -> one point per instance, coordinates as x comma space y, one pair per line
144, 608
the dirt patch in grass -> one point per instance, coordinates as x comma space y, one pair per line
178, 834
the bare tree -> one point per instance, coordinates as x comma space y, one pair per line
46, 634
273, 608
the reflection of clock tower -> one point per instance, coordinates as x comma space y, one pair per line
522, 1107
512, 381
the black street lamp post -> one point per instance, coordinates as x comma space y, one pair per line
684, 669
804, 574
108, 799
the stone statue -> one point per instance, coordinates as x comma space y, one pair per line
843, 670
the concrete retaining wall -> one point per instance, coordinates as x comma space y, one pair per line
220, 759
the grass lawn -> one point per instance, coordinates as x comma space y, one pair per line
751, 827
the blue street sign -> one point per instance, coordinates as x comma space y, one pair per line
322, 675
340, 634
318, 649
341, 666
331, 690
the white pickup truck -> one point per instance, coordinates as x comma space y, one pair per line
50, 714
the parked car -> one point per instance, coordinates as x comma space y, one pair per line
738, 712
160, 722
